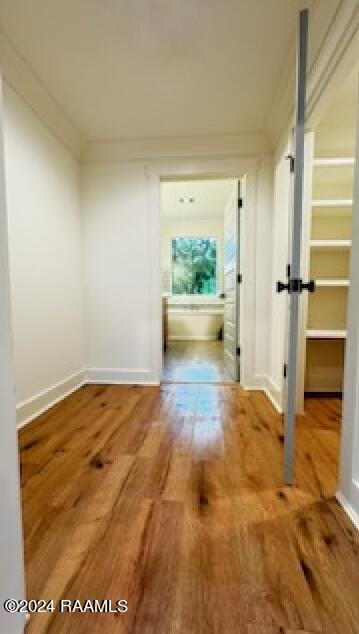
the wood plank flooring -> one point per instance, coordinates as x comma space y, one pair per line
172, 498
195, 362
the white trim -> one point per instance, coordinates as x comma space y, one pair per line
265, 385
28, 410
349, 462
18, 74
122, 376
274, 394
274, 402
348, 508
247, 144
305, 268
259, 382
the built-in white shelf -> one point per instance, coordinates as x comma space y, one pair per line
330, 244
333, 202
333, 162
329, 282
326, 334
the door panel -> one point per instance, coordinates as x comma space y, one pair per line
293, 284
231, 255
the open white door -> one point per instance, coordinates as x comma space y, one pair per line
231, 284
294, 285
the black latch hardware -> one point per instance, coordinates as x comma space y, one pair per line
239, 278
285, 370
291, 160
238, 352
296, 285
240, 203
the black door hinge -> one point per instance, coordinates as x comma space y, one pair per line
291, 160
288, 270
285, 370
238, 351
240, 203
239, 278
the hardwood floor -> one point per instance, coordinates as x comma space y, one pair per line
172, 498
195, 362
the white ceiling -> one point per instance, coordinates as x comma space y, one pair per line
137, 69
210, 198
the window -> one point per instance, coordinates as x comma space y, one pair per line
194, 266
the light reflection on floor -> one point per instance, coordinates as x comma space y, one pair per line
195, 362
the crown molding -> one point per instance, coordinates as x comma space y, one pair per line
20, 77
333, 52
245, 144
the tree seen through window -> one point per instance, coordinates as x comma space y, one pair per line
194, 266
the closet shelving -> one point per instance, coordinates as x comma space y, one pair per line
329, 253
333, 202
330, 282
326, 334
330, 244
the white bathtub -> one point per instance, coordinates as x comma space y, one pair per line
192, 319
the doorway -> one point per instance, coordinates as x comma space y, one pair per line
326, 261
200, 279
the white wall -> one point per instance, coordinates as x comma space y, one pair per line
43, 197
11, 549
117, 262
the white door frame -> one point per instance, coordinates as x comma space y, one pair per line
207, 168
12, 578
348, 490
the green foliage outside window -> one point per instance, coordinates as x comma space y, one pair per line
194, 266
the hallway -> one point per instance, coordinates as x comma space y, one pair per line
171, 498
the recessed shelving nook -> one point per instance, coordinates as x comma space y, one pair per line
329, 247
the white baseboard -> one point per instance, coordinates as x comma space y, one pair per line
273, 400
258, 383
123, 376
347, 507
28, 410
264, 384
192, 338
273, 393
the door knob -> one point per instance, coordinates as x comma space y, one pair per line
296, 285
